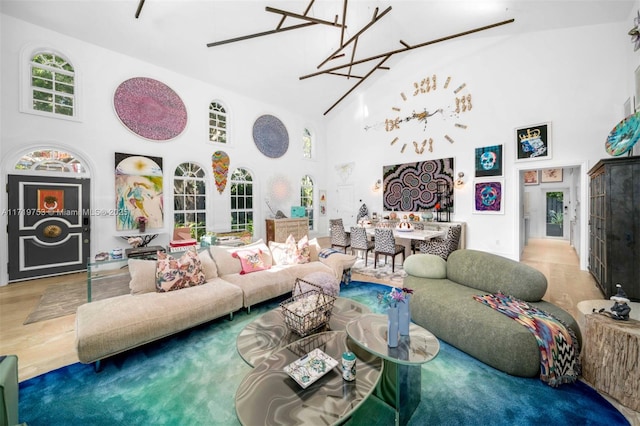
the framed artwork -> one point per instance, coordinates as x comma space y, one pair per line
637, 92
413, 187
322, 194
150, 109
50, 200
551, 175
531, 177
488, 196
533, 142
139, 193
489, 161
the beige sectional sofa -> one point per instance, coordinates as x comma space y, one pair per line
110, 326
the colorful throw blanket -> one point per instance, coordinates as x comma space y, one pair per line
559, 351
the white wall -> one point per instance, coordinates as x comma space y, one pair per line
100, 134
567, 77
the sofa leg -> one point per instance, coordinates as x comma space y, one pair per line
97, 366
230, 316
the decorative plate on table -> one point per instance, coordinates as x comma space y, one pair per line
270, 136
622, 137
150, 108
310, 367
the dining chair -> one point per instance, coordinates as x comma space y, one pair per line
415, 244
385, 244
360, 242
339, 237
443, 247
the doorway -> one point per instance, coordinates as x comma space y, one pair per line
555, 210
48, 228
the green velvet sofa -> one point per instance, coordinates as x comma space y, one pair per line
443, 304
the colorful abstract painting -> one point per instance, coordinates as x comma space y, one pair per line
414, 186
220, 165
139, 191
488, 196
150, 108
489, 161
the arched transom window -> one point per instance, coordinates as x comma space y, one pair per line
52, 85
50, 160
307, 143
217, 123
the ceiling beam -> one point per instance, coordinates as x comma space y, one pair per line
387, 55
139, 9
357, 84
309, 21
406, 48
264, 33
375, 19
302, 17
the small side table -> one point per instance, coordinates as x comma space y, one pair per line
401, 382
610, 361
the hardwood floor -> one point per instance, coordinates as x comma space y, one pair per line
48, 345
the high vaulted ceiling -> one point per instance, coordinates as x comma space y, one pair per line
174, 34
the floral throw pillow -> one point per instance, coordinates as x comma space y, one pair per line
303, 251
175, 274
284, 253
251, 261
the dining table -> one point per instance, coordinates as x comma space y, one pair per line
403, 236
413, 234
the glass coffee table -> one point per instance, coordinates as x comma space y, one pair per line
269, 396
401, 383
268, 333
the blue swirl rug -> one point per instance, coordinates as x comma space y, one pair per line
191, 379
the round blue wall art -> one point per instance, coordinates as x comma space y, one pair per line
622, 137
270, 136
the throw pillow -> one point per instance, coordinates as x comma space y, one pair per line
303, 250
314, 249
283, 253
227, 264
143, 276
175, 274
208, 265
251, 261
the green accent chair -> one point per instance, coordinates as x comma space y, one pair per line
8, 390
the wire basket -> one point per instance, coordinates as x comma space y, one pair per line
306, 312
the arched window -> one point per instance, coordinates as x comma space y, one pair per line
52, 87
242, 200
50, 160
306, 198
190, 199
217, 123
307, 144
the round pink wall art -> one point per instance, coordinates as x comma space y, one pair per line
150, 108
